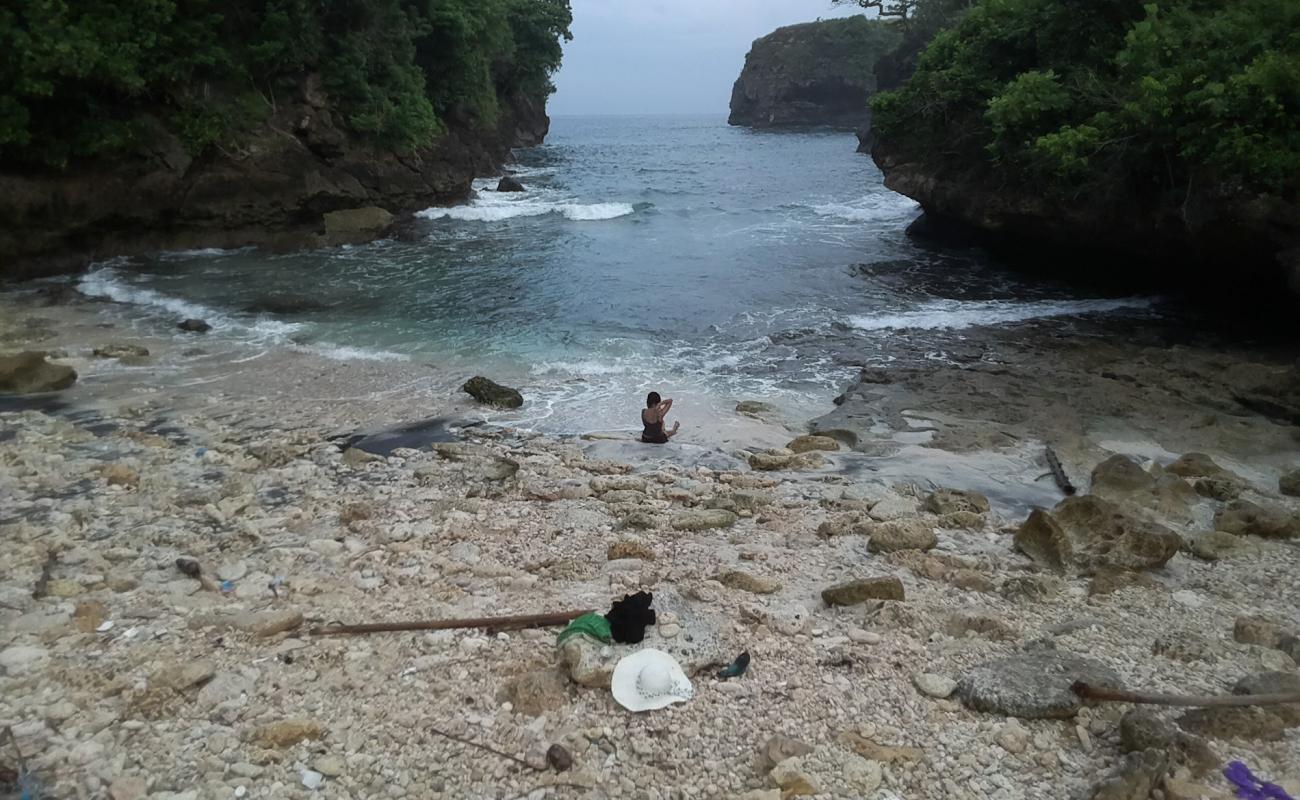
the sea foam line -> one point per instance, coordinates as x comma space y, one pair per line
955, 315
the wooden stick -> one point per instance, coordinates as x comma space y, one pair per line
484, 747
495, 623
1058, 474
1154, 699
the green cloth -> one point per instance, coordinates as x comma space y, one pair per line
593, 625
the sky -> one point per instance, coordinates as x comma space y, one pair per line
666, 56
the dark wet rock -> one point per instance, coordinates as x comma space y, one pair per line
1244, 518
1289, 484
954, 501
29, 372
194, 326
860, 591
1134, 778
509, 183
121, 351
493, 394
1033, 685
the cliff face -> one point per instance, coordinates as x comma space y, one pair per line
273, 191
817, 73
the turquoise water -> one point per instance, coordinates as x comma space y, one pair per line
673, 253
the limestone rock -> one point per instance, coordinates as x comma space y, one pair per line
1197, 465
794, 780
783, 459
1274, 683
952, 501
779, 748
746, 582
753, 408
183, 675
1032, 685
1247, 723
1042, 539
864, 589
1133, 779
979, 623
588, 662
1086, 533
704, 519
29, 373
491, 393
844, 525
1120, 480
1214, 545
119, 475
287, 733
630, 548
894, 506
932, 685
356, 225
1221, 489
128, 787
1244, 518
804, 444
23, 660
908, 533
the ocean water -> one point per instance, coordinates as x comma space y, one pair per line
677, 254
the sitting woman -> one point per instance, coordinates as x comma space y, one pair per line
652, 417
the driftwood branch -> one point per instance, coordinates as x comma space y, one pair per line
487, 749
494, 623
1054, 464
1155, 699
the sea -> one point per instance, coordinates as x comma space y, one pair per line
676, 254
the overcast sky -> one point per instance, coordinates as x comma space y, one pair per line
666, 56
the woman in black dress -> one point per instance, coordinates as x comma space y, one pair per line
652, 417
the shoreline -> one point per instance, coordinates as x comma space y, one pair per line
193, 694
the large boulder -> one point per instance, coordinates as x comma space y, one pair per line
29, 373
1119, 479
356, 225
1033, 685
1087, 533
804, 444
491, 393
509, 183
908, 533
953, 501
1244, 518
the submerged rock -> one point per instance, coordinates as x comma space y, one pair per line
1289, 484
356, 225
194, 326
493, 394
121, 351
1033, 685
30, 373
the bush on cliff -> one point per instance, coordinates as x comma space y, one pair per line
1111, 95
88, 78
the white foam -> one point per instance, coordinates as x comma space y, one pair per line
108, 283
203, 252
955, 314
348, 353
489, 206
882, 207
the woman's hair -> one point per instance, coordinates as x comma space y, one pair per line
652, 400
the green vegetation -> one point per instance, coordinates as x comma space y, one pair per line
1108, 95
835, 48
92, 78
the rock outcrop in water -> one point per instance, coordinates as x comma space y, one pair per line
275, 191
816, 73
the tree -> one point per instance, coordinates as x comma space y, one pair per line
901, 9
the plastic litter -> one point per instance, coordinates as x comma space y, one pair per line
105, 627
1249, 787
312, 779
593, 625
736, 668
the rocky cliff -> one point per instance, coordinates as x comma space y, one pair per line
817, 73
273, 191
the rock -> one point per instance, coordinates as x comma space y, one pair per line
932, 685
88, 616
356, 225
761, 794
1181, 789
1133, 779
1214, 545
1221, 489
128, 788
962, 520
23, 660
194, 326
873, 751
1031, 588
121, 351
1120, 480
588, 662
1109, 580
793, 779
1274, 683
1141, 729
509, 184
29, 373
183, 675
894, 506
1244, 518
232, 570
260, 624
1032, 685
844, 525
971, 580
288, 732
863, 776
909, 533
860, 591
329, 766
537, 692
953, 501
630, 548
119, 475
1012, 737
753, 408
355, 457
773, 460
492, 394
1042, 539
804, 444
559, 758
779, 748
1247, 723
1198, 465
1120, 476
1289, 484
745, 582
224, 687
704, 519
1258, 630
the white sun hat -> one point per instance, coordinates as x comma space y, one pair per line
650, 679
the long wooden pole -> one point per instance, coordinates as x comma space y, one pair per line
1154, 699
496, 623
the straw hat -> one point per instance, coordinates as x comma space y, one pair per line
649, 679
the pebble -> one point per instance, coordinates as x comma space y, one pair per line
860, 636
936, 686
